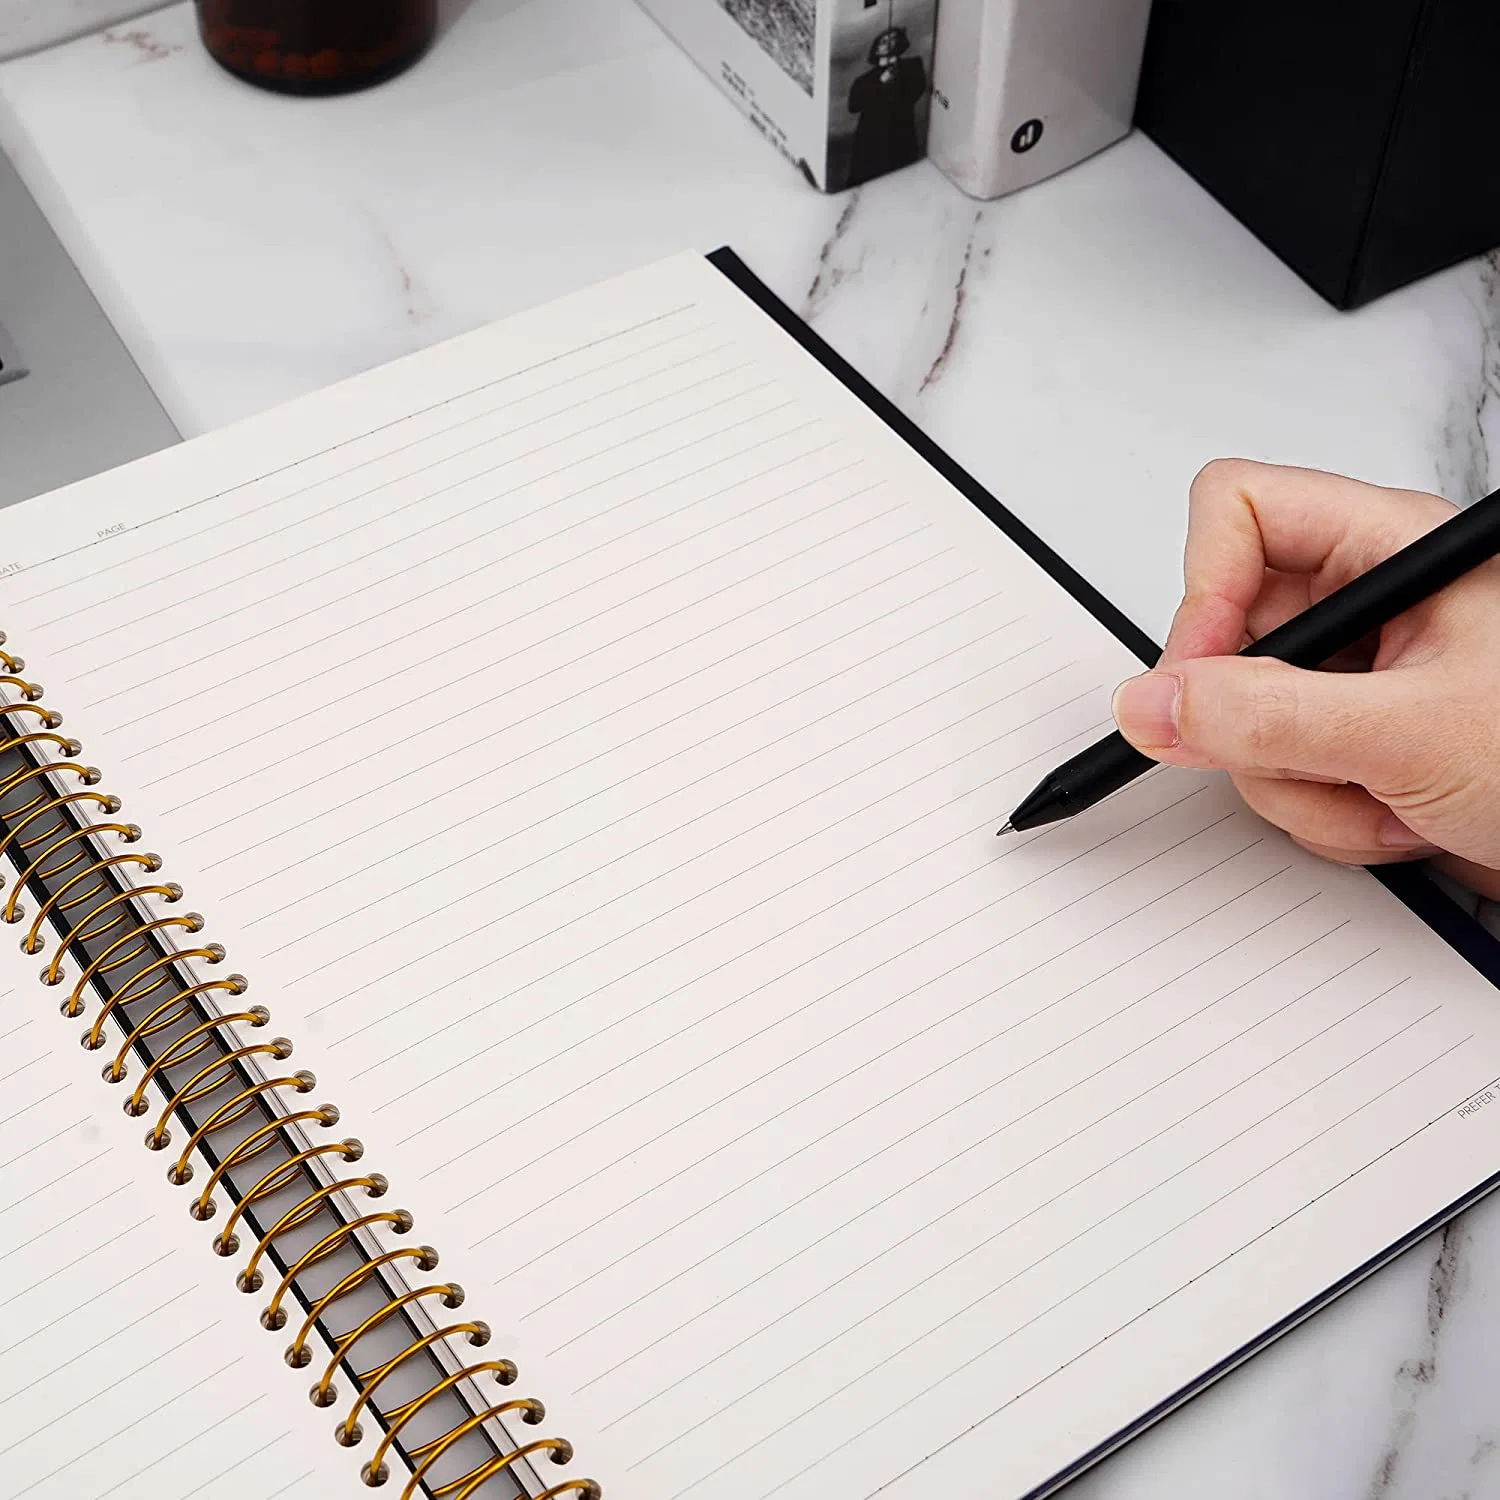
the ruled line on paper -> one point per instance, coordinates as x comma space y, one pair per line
16, 1203
202, 1432
24, 1067
637, 630
468, 542
849, 938
264, 534
1198, 1213
83, 1211
1032, 1212
831, 1131
117, 662
754, 1036
77, 1406
445, 870
889, 1099
655, 728
46, 1098
78, 1307
73, 1360
510, 1037
778, 853
286, 1489
78, 1260
260, 1445
218, 495
696, 706
5, 1036
44, 1142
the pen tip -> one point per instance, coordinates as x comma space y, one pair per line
1001, 832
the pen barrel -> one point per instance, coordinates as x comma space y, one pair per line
1387, 590
1098, 772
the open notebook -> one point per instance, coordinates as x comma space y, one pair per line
587, 739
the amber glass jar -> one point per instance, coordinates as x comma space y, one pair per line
316, 46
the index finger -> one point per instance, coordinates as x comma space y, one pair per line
1245, 519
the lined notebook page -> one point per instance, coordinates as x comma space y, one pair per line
593, 734
123, 1372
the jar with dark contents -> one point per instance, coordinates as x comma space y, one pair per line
316, 46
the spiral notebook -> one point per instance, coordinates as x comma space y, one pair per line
514, 836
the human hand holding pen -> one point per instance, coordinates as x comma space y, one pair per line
1397, 755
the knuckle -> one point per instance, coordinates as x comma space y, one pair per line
1221, 478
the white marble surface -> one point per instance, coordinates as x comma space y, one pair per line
29, 24
1083, 347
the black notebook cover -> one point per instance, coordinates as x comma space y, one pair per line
1407, 882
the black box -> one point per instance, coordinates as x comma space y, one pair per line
1358, 139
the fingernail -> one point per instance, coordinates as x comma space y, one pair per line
1394, 834
1145, 708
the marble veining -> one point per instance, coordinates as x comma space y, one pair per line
25, 24
1083, 347
955, 317
147, 48
831, 272
1468, 445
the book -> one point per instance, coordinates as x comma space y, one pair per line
842, 88
518, 851
1024, 89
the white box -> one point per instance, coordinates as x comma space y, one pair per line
1024, 88
841, 87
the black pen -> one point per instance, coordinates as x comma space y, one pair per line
1308, 640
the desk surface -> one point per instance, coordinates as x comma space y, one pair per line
1083, 347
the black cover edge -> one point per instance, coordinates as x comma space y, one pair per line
1407, 882
1124, 629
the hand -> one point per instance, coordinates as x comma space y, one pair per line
1394, 752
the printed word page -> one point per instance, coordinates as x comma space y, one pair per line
129, 1365
591, 735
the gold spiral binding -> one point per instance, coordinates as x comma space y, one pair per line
32, 942
283, 1174
558, 1450
227, 1114
107, 803
173, 1009
117, 908
448, 1292
399, 1220
112, 958
424, 1257
93, 896
127, 994
375, 1472
179, 1051
257, 1141
251, 1279
348, 1432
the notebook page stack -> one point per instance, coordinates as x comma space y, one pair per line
592, 734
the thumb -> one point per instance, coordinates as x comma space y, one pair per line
1261, 716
